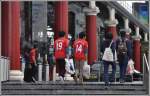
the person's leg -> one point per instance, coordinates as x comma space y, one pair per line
77, 67
113, 72
125, 63
58, 67
62, 67
33, 72
121, 68
106, 65
81, 71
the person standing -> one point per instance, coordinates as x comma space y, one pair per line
124, 52
60, 53
33, 58
109, 42
80, 48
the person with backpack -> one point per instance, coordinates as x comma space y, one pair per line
124, 53
80, 50
108, 50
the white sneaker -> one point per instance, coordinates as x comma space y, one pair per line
61, 78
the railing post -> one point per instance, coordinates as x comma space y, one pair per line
146, 74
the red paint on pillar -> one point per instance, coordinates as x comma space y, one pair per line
137, 55
113, 30
11, 33
61, 19
15, 41
91, 37
5, 18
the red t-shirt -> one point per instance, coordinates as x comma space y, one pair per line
32, 55
80, 46
60, 46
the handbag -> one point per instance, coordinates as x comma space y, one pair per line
69, 66
86, 70
130, 67
108, 55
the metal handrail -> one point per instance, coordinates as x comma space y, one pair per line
145, 59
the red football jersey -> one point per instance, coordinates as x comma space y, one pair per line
60, 46
80, 46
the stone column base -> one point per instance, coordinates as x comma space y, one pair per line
16, 75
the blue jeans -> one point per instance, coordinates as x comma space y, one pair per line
106, 75
123, 62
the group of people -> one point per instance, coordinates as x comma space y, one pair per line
121, 49
80, 51
122, 52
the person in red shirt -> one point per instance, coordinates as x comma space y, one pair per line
80, 47
33, 58
60, 53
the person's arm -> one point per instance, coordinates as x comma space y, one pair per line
67, 48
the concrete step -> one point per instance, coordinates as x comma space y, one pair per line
69, 88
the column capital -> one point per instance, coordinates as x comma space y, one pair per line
137, 37
146, 37
91, 11
111, 22
128, 30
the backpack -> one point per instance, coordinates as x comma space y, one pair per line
108, 54
122, 48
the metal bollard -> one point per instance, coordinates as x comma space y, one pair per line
5, 69
39, 71
47, 72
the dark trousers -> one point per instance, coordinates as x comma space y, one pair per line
123, 62
34, 71
106, 68
60, 65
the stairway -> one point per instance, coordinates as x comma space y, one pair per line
69, 88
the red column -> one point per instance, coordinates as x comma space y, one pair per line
113, 30
91, 37
5, 18
61, 17
137, 55
11, 32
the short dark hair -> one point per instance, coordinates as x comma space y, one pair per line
82, 35
61, 34
108, 35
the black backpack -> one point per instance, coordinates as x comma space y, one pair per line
122, 47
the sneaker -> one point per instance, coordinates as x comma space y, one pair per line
75, 79
61, 79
